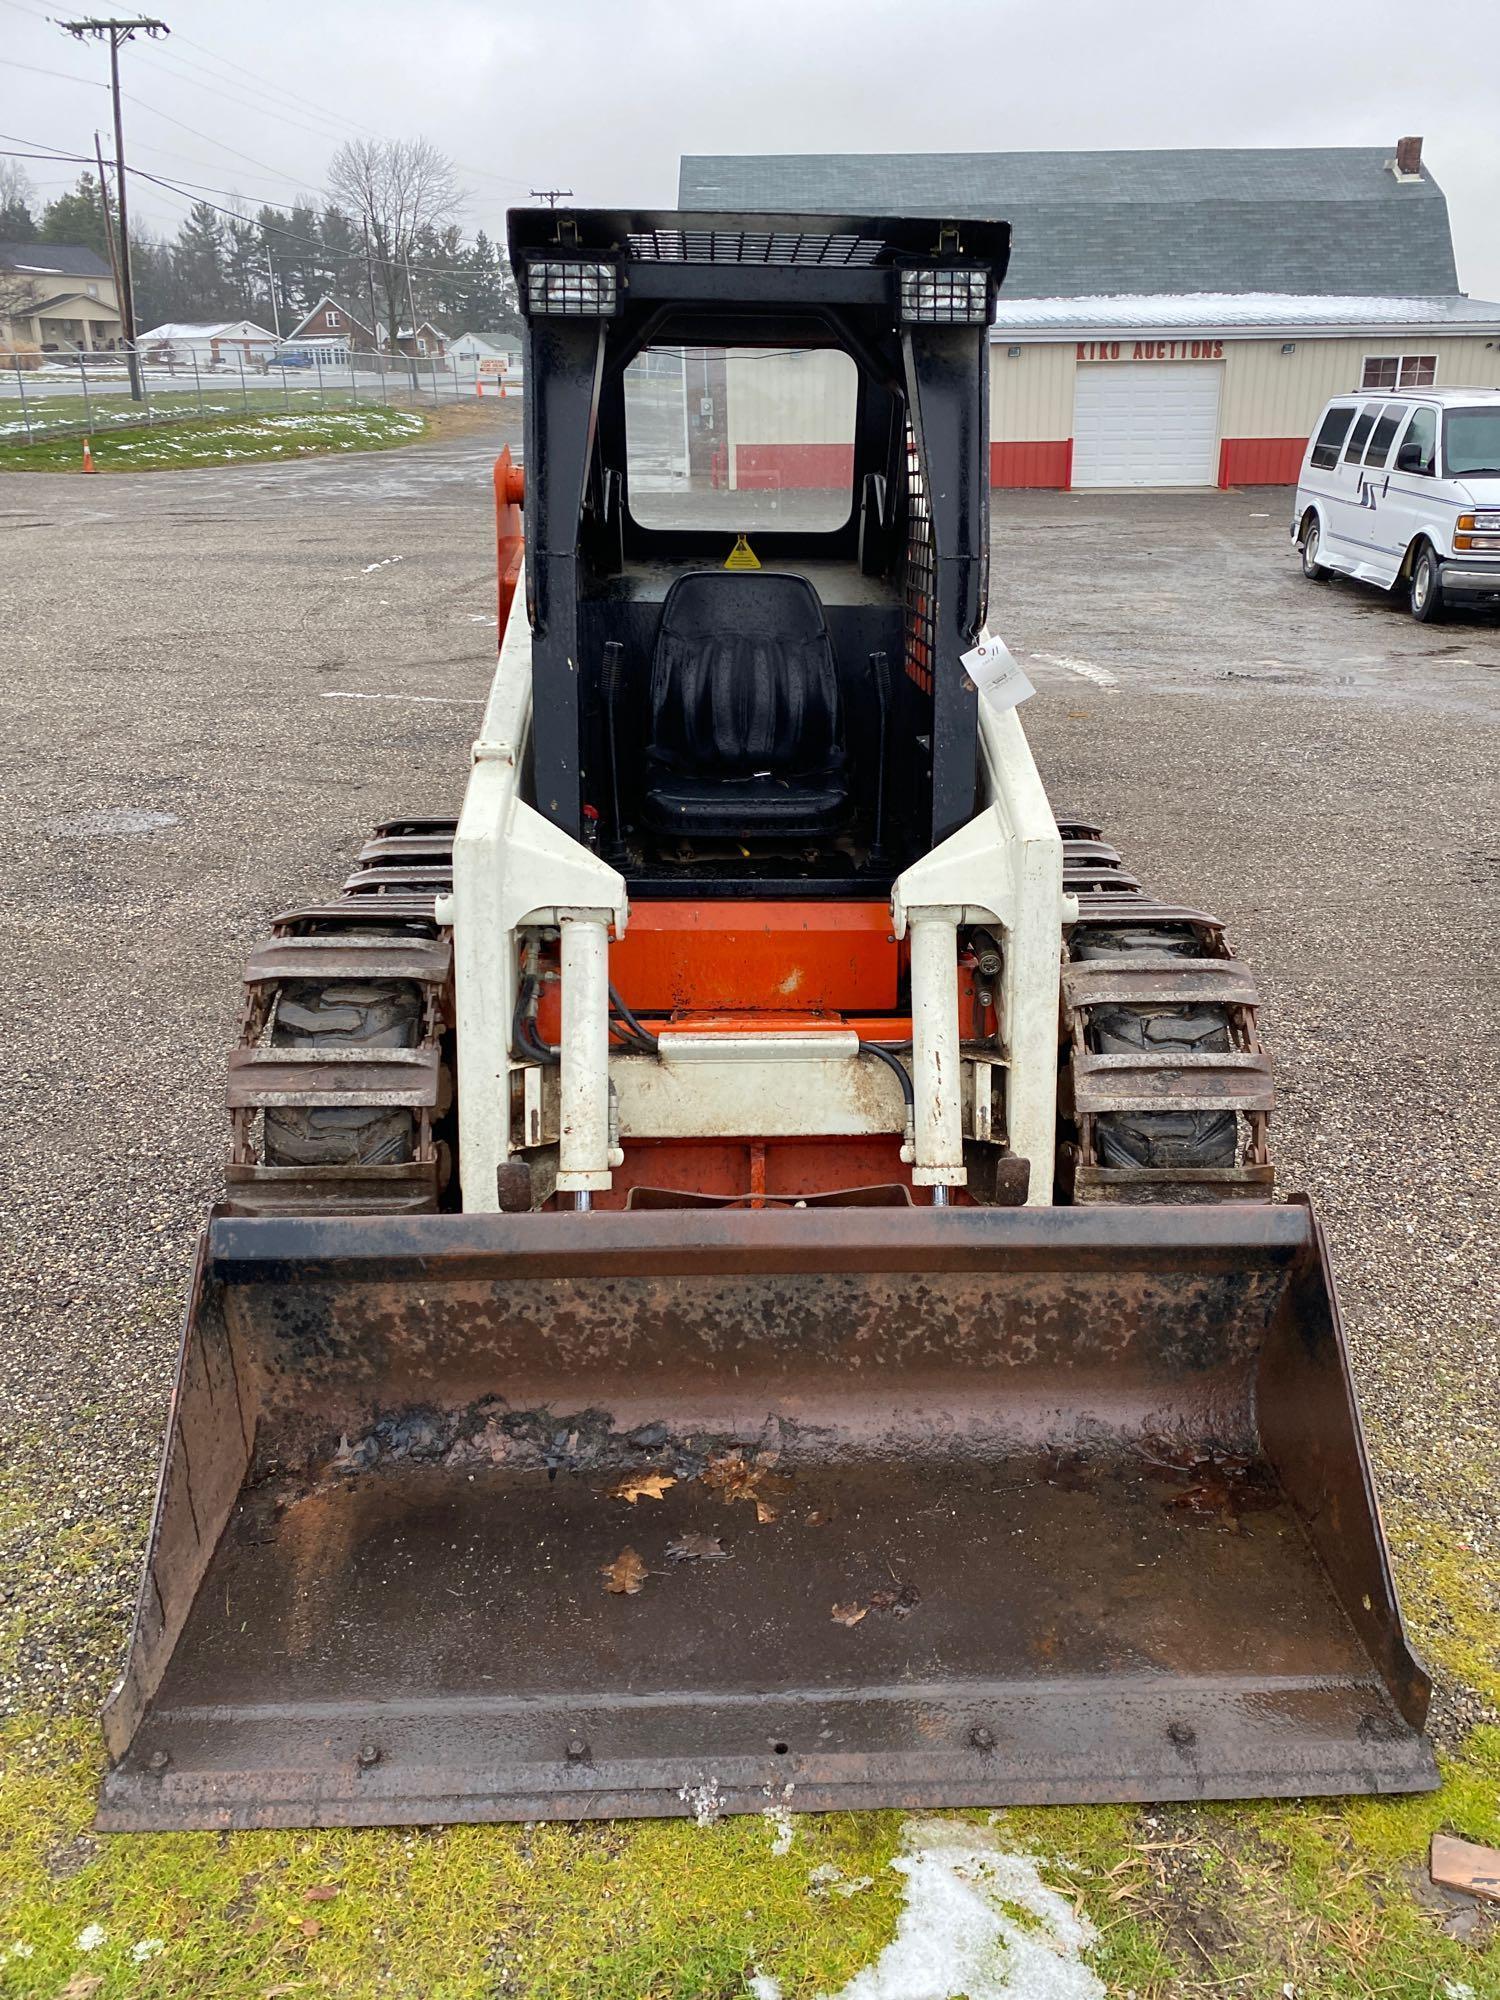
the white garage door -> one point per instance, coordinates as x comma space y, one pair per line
1146, 423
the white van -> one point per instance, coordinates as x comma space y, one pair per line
1402, 489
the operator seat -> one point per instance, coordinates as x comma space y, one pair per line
746, 732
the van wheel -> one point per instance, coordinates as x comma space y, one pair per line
1426, 587
1312, 535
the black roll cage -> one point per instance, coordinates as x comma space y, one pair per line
919, 515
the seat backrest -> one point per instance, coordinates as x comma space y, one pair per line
743, 677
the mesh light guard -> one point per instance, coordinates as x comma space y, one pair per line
572, 288
946, 297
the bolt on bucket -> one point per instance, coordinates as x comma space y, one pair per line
562, 1516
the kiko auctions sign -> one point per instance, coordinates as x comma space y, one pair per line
1150, 350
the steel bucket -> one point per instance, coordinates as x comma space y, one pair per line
932, 1507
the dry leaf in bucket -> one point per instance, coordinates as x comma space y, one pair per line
733, 1477
626, 1575
643, 1486
900, 1603
697, 1548
849, 1614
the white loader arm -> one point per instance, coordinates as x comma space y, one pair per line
1004, 869
513, 867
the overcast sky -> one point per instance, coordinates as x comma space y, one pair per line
602, 96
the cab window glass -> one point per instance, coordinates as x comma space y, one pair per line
1361, 430
740, 437
1471, 443
1335, 428
1386, 426
1421, 433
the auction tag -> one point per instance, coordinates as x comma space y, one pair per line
996, 671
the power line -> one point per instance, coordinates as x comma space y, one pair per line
292, 96
62, 75
189, 191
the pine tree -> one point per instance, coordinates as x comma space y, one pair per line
198, 258
158, 296
17, 223
245, 270
77, 218
300, 255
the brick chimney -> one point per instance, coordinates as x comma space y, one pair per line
1409, 159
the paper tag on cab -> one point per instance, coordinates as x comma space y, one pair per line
996, 672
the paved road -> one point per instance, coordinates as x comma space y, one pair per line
180, 755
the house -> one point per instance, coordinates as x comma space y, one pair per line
487, 353
57, 296
331, 329
424, 341
219, 344
1175, 317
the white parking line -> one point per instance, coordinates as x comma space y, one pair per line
1085, 669
441, 700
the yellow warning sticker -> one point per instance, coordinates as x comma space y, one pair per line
742, 556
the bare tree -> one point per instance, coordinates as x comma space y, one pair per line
395, 188
15, 185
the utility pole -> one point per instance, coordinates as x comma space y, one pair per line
118, 33
109, 225
271, 280
411, 307
552, 196
370, 284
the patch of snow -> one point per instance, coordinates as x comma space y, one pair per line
384, 563
778, 1812
110, 823
20, 1949
761, 1986
826, 1880
1457, 1989
147, 1948
91, 1937
979, 1923
704, 1800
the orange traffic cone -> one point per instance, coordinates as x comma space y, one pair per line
502, 389
88, 457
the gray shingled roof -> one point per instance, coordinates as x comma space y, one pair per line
52, 260
1299, 219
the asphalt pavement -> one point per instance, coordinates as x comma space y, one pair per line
214, 682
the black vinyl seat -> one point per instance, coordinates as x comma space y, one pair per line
746, 729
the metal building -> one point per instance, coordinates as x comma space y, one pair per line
1173, 318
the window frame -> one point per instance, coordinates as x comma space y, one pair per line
1357, 440
1418, 410
1400, 386
331, 318
1402, 416
1334, 446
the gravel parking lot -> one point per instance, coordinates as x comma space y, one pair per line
213, 682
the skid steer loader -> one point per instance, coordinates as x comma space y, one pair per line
749, 1267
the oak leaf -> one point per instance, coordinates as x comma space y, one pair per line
697, 1548
626, 1575
643, 1486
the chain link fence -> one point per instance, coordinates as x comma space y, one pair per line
53, 395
